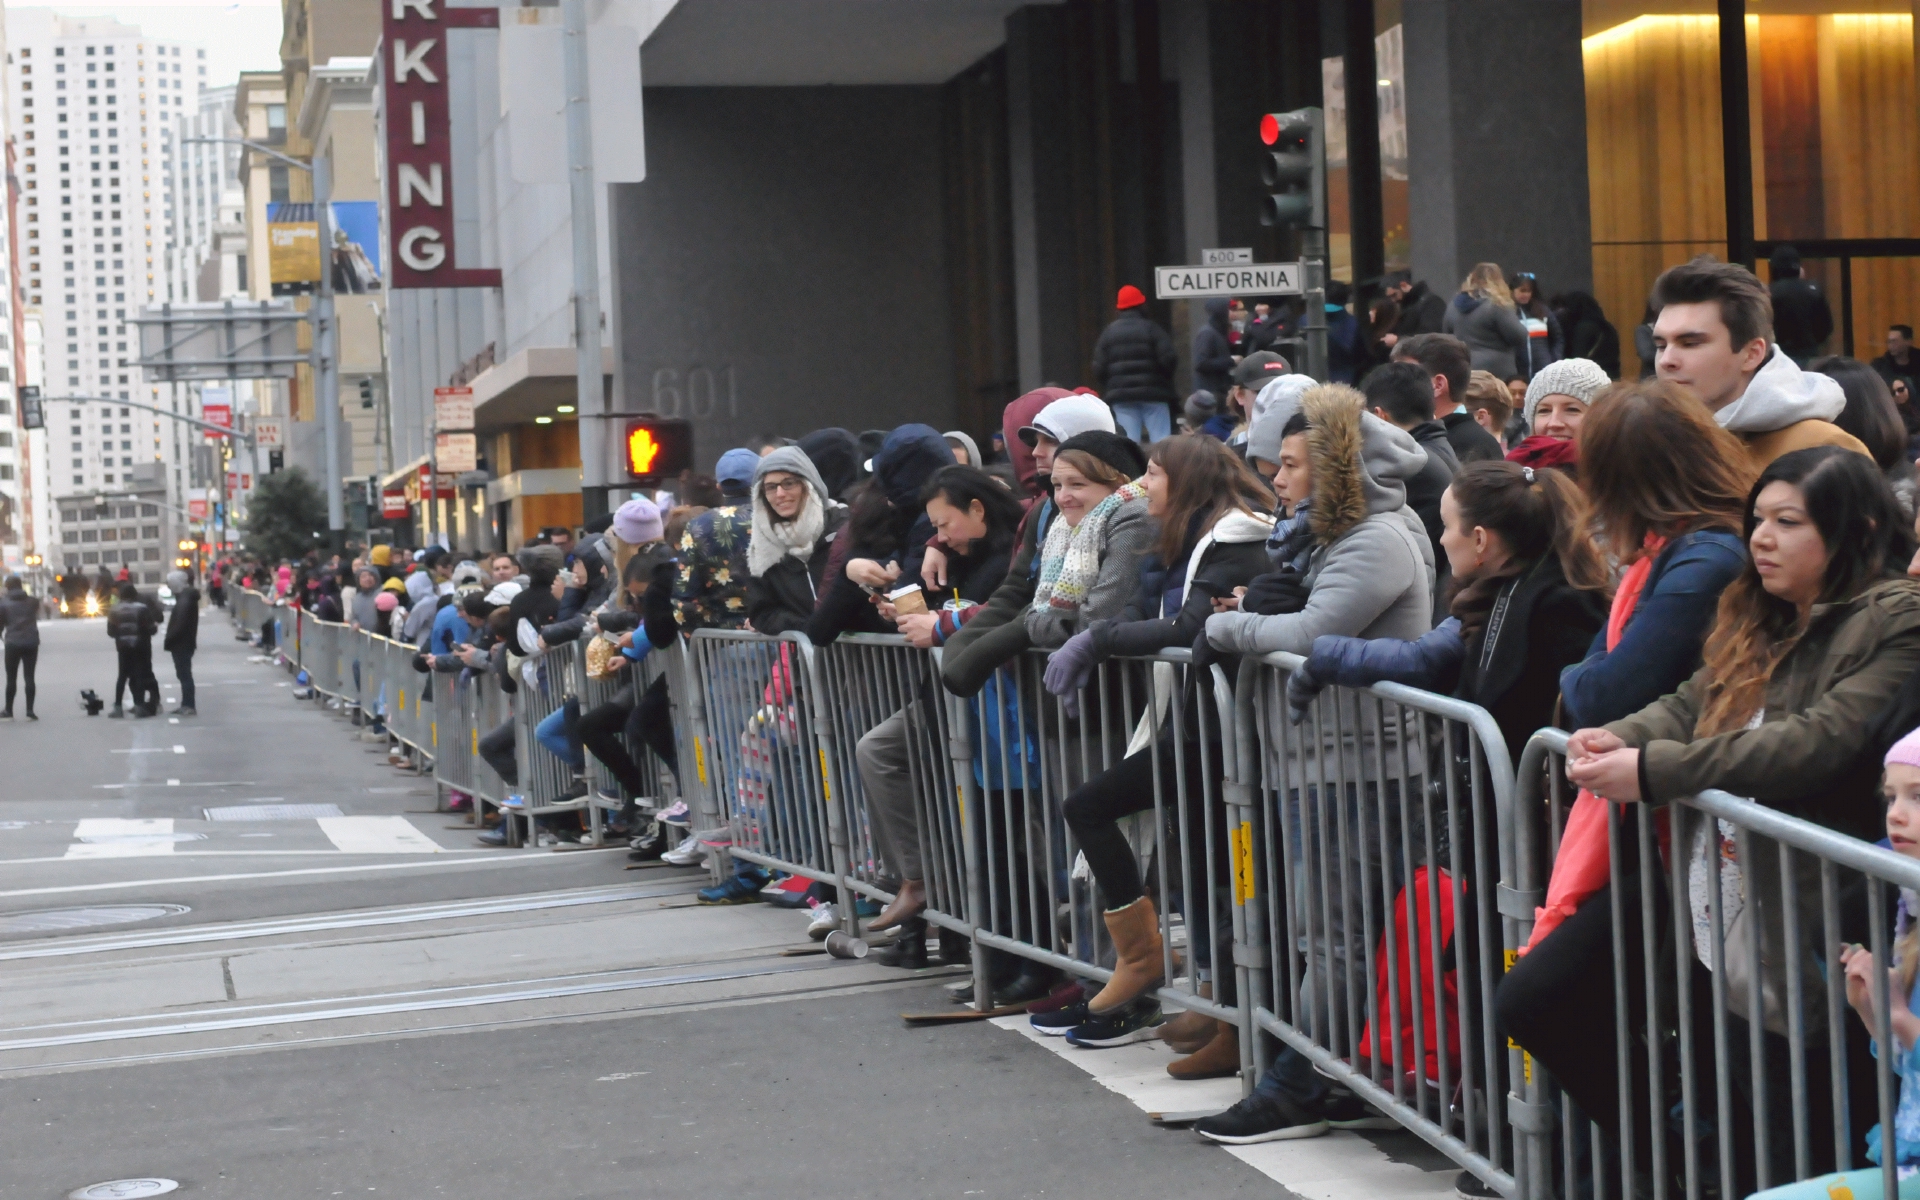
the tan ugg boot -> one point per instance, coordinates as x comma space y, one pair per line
1215, 1060
1137, 951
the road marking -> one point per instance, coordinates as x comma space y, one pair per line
141, 750
179, 749
1338, 1166
376, 835
173, 720
173, 783
494, 858
122, 837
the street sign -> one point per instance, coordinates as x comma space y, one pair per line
453, 410
455, 453
393, 503
216, 414
1238, 257
1199, 283
197, 509
269, 432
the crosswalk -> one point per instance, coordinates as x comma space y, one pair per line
145, 837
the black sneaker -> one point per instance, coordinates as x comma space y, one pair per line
1348, 1111
1469, 1186
1060, 1022
1260, 1118
1135, 1022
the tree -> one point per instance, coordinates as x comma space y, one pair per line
286, 516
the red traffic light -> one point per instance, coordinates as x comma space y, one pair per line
1270, 128
656, 447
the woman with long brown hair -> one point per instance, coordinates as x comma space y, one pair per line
1214, 518
1668, 493
1809, 645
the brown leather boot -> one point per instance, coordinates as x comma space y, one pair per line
1137, 951
1217, 1059
1190, 1030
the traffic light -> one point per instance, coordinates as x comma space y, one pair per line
32, 415
366, 393
658, 447
1294, 170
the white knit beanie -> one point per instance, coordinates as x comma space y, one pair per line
1581, 378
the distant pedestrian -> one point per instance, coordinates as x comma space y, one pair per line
1588, 332
1898, 362
183, 637
21, 614
1546, 342
1133, 367
216, 586
1802, 319
1420, 310
131, 624
1346, 340
1482, 315
1213, 352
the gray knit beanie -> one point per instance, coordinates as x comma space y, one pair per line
1581, 378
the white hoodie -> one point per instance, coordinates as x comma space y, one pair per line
1780, 394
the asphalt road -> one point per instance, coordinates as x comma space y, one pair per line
296, 1017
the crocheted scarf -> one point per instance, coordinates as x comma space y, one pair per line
1070, 559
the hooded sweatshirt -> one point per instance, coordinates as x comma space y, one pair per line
1370, 573
907, 459
1786, 409
835, 454
967, 443
1272, 409
774, 540
1018, 415
1496, 340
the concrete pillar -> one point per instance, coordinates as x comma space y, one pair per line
1497, 174
1043, 235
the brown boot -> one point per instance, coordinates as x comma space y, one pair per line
1187, 1032
1218, 1059
1137, 951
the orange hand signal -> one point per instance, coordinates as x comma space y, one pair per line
642, 449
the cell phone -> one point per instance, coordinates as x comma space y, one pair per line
1208, 587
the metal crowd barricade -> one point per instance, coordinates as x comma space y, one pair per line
661, 788
1378, 836
1745, 911
764, 750
322, 656
1019, 754
546, 681
409, 711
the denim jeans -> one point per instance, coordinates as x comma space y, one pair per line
1137, 416
556, 732
1338, 914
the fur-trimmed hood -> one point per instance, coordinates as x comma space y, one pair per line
1360, 463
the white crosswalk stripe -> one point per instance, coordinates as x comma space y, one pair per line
377, 835
122, 837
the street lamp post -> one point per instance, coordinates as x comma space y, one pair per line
324, 359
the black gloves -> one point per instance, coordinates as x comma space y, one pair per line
1274, 593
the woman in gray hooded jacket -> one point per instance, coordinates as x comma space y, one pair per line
1483, 316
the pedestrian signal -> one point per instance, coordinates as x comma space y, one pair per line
658, 448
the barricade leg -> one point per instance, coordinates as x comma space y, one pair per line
973, 812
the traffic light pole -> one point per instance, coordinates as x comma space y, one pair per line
590, 397
1313, 322
326, 363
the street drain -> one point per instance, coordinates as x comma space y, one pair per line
123, 1189
54, 920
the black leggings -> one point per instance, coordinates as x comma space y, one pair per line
17, 657
1127, 788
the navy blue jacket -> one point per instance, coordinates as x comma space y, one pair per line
1660, 648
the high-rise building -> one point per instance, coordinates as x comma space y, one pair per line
100, 108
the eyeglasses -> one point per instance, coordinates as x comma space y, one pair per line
783, 485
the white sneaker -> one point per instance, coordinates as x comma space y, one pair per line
826, 919
689, 853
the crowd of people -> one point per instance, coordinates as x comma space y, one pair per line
1705, 572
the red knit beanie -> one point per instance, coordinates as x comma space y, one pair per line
1130, 297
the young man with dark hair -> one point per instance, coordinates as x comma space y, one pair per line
1401, 394
1445, 358
1713, 332
1898, 362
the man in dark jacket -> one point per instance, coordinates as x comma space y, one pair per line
1213, 351
1802, 319
183, 637
1400, 394
131, 624
1446, 360
1133, 367
20, 614
1420, 310
1898, 362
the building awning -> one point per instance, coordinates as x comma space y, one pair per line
533, 383
400, 475
535, 481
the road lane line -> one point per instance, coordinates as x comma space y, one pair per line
494, 858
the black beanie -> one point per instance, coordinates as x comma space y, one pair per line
1117, 450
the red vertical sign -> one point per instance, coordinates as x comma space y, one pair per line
420, 142
216, 414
